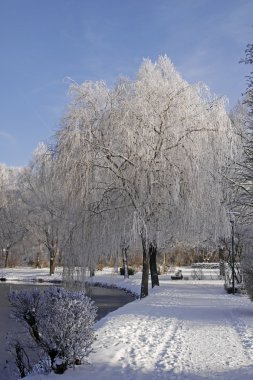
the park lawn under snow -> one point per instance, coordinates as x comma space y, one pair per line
183, 330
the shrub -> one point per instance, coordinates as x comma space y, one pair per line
130, 271
59, 321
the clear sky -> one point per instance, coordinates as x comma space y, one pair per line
44, 41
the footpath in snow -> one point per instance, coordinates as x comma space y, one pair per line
184, 330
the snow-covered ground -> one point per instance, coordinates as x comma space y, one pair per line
28, 274
184, 330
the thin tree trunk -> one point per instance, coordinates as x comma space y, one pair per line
125, 264
38, 265
59, 258
6, 258
116, 263
153, 265
145, 269
52, 256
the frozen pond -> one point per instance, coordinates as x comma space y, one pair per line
106, 300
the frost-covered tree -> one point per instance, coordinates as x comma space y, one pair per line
243, 117
240, 176
248, 96
59, 321
149, 155
244, 174
45, 204
12, 213
74, 174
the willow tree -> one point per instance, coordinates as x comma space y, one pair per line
45, 203
94, 215
153, 151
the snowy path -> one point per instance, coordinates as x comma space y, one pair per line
210, 344
182, 331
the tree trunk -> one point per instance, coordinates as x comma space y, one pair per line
153, 266
145, 269
6, 258
60, 258
38, 260
52, 256
116, 263
125, 264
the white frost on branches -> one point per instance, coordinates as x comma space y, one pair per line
145, 159
59, 321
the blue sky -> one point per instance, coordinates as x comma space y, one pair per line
44, 41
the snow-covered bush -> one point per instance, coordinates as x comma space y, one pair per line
59, 321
